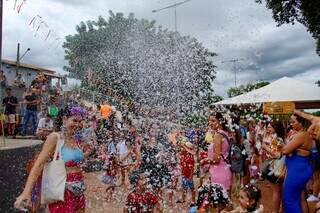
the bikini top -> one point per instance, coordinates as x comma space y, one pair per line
71, 156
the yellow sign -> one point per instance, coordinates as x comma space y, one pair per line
276, 108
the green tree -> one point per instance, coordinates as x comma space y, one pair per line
216, 98
235, 91
136, 59
306, 12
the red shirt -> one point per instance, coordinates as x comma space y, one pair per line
203, 155
186, 163
141, 202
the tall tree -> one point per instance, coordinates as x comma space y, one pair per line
306, 12
235, 91
135, 58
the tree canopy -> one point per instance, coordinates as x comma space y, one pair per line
138, 60
306, 12
235, 91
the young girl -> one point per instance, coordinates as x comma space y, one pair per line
187, 164
249, 198
124, 155
212, 197
172, 185
109, 176
140, 199
254, 166
204, 167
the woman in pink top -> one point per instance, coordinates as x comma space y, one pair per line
218, 151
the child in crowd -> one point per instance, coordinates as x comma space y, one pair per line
124, 155
249, 198
140, 199
212, 197
109, 176
187, 164
204, 166
172, 185
254, 166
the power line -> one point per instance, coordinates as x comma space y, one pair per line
235, 70
175, 11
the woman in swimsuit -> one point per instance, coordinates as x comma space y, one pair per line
72, 152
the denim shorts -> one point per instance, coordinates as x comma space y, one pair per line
187, 183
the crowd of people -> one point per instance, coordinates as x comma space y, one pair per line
230, 157
38, 103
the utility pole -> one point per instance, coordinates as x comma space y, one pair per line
1, 11
235, 71
1, 16
18, 58
175, 11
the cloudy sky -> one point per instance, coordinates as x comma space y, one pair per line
234, 29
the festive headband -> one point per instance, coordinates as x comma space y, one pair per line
78, 111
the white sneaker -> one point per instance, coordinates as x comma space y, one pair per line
312, 198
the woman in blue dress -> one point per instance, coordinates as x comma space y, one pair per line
299, 167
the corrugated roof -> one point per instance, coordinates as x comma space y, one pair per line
30, 66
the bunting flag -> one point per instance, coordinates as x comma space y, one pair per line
48, 35
20, 6
32, 20
39, 25
15, 4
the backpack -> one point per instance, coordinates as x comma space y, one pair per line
235, 157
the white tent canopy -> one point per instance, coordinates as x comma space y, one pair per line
284, 89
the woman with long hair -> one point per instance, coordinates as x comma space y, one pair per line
73, 153
272, 140
218, 152
299, 166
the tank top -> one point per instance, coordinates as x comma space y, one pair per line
224, 149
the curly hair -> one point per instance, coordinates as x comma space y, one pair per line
213, 193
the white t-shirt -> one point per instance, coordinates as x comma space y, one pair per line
43, 124
122, 149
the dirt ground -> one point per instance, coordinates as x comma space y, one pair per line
96, 202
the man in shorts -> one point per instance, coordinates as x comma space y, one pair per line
10, 102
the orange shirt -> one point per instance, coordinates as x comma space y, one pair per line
105, 110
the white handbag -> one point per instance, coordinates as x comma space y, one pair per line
54, 178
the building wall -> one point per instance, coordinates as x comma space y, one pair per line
10, 72
28, 75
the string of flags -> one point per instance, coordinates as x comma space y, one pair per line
18, 5
40, 27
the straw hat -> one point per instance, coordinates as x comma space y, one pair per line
189, 147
